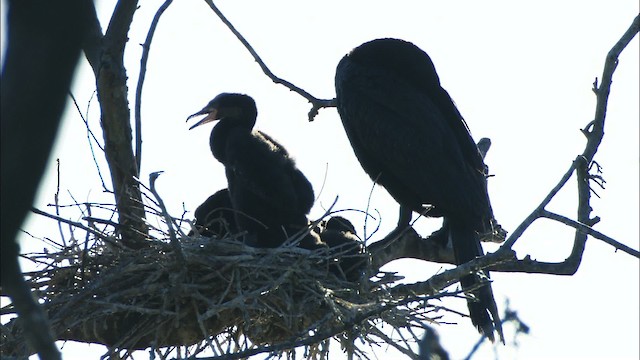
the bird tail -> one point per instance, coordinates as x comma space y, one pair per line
482, 307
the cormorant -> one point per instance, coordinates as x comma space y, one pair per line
409, 137
215, 216
340, 236
270, 195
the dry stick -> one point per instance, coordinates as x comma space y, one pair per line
172, 234
316, 103
102, 236
86, 122
515, 235
313, 339
590, 231
594, 131
594, 138
90, 135
146, 47
56, 196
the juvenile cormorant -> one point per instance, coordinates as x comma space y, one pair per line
215, 216
340, 236
409, 137
270, 195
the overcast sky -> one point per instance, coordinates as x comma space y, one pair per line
521, 74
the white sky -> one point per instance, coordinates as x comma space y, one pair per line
520, 74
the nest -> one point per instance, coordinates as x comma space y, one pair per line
223, 296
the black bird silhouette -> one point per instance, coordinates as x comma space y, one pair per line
270, 195
215, 216
409, 137
339, 235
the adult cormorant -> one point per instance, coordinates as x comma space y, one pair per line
215, 216
340, 236
409, 137
270, 195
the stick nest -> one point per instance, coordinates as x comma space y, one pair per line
226, 297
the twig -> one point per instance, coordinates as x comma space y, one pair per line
85, 120
172, 234
590, 231
90, 135
594, 131
318, 337
56, 196
146, 47
102, 236
535, 214
316, 103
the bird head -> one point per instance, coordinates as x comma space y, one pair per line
227, 106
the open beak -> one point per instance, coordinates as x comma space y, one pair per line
212, 115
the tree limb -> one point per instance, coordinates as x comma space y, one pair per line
316, 103
105, 55
590, 231
146, 47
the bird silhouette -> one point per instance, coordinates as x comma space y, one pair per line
269, 194
215, 216
410, 138
339, 235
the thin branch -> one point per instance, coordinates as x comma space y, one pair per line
536, 213
316, 103
146, 47
102, 236
56, 197
594, 132
172, 234
590, 231
90, 135
318, 337
86, 122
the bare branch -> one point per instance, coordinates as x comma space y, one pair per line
146, 47
594, 131
93, 41
440, 281
318, 337
119, 24
515, 235
316, 103
105, 54
590, 231
90, 136
172, 233
100, 235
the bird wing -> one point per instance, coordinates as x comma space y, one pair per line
404, 135
262, 168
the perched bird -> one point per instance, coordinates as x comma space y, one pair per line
410, 138
269, 194
339, 235
215, 216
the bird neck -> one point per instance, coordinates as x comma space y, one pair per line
221, 134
